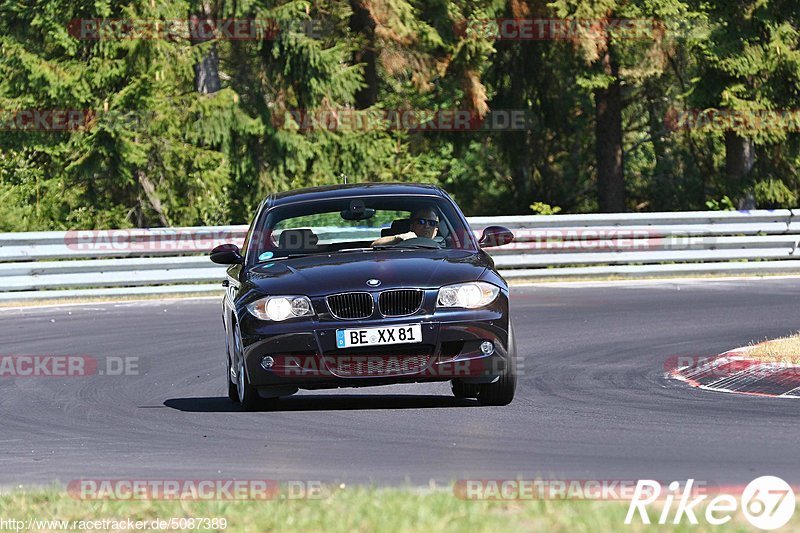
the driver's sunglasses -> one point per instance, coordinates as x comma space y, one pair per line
423, 221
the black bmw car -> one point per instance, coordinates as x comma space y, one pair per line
361, 285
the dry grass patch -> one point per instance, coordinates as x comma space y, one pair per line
784, 350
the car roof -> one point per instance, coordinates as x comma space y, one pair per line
355, 189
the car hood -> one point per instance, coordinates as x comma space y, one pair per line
317, 275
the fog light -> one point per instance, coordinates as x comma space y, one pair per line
487, 347
267, 362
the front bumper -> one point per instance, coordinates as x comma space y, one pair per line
305, 354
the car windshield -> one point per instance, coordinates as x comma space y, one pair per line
359, 223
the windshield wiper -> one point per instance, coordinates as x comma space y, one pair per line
320, 252
290, 256
367, 249
399, 246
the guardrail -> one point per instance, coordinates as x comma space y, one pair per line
174, 260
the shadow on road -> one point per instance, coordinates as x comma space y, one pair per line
322, 402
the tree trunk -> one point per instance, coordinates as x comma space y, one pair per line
522, 171
739, 158
361, 22
150, 193
608, 140
206, 71
663, 192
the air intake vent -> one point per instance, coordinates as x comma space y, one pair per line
379, 366
351, 305
377, 361
400, 302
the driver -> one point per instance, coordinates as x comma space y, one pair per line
424, 223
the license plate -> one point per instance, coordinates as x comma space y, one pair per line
348, 338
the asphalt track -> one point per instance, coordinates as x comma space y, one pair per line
592, 402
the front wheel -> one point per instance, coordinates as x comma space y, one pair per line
248, 396
233, 393
245, 393
501, 392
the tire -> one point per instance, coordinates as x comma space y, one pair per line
463, 390
501, 392
246, 394
233, 393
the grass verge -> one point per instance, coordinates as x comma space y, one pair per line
355, 509
52, 302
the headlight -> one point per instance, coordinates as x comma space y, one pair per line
278, 308
470, 295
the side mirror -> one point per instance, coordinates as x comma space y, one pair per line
495, 236
227, 254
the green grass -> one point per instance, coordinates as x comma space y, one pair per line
357, 509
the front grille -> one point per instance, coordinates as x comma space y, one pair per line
350, 305
400, 302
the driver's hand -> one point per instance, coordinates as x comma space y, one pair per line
406, 236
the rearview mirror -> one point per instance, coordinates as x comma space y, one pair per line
357, 211
227, 254
495, 236
368, 212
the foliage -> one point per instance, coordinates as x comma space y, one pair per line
157, 149
772, 194
723, 204
541, 208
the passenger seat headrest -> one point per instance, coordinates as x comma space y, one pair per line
297, 239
